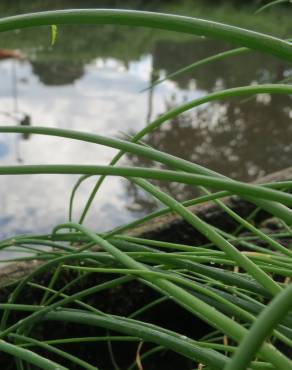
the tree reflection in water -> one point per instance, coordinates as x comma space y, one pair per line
243, 139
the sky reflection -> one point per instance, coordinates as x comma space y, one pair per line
104, 100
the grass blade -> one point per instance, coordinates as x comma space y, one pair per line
201, 27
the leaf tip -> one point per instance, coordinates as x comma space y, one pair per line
54, 31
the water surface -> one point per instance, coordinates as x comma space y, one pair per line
91, 81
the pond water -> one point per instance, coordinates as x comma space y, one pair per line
90, 80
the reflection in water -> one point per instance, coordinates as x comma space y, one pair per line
96, 103
243, 138
229, 72
98, 92
57, 73
25, 121
15, 114
154, 76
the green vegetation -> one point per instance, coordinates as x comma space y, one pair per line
128, 45
232, 283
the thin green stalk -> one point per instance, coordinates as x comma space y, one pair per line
271, 4
250, 218
51, 284
200, 63
251, 39
77, 301
164, 211
39, 241
42, 268
247, 244
215, 295
155, 243
158, 122
261, 329
209, 232
57, 351
115, 338
182, 297
145, 331
29, 356
148, 306
66, 287
236, 187
36, 316
73, 193
275, 209
111, 353
243, 222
